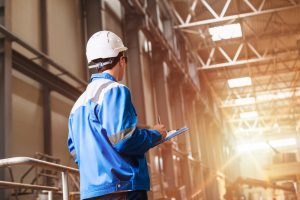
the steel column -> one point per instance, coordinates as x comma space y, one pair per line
184, 142
134, 72
92, 22
92, 16
45, 90
4, 109
5, 87
169, 168
163, 110
160, 86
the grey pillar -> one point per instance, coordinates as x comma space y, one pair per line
161, 86
183, 145
91, 21
5, 87
197, 130
91, 11
169, 165
134, 72
47, 123
175, 81
201, 139
188, 96
163, 109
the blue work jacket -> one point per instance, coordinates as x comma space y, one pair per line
105, 142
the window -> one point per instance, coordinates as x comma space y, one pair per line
248, 115
225, 32
239, 82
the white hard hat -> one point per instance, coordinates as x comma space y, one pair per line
104, 44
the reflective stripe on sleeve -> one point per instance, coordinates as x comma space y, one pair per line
73, 154
116, 138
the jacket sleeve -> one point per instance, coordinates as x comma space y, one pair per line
71, 145
118, 117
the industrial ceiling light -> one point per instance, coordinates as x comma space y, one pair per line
225, 32
239, 82
248, 115
244, 101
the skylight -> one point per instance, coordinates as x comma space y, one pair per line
248, 115
239, 82
225, 32
244, 101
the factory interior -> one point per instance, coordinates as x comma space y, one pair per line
229, 70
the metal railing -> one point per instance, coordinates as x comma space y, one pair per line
38, 156
9, 162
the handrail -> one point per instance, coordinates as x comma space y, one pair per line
8, 162
32, 161
28, 186
15, 38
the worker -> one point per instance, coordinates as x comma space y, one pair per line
103, 135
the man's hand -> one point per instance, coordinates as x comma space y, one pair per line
161, 129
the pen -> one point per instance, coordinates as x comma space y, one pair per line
158, 121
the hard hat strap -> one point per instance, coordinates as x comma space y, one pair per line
106, 63
101, 64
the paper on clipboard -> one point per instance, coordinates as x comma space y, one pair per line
171, 134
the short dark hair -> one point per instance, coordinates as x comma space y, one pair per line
111, 63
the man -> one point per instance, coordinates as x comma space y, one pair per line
103, 135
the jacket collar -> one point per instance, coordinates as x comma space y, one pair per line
102, 75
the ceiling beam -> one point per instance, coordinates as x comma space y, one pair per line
248, 91
267, 33
291, 53
265, 117
270, 128
234, 17
265, 103
277, 115
259, 71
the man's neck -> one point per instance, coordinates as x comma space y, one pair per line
113, 72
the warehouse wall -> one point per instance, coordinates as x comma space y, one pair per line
65, 35
61, 107
65, 44
25, 25
27, 127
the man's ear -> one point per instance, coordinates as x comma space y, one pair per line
122, 61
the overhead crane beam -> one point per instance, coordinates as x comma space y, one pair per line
285, 100
275, 87
292, 54
266, 117
218, 19
255, 37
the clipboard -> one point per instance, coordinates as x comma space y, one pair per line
171, 134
